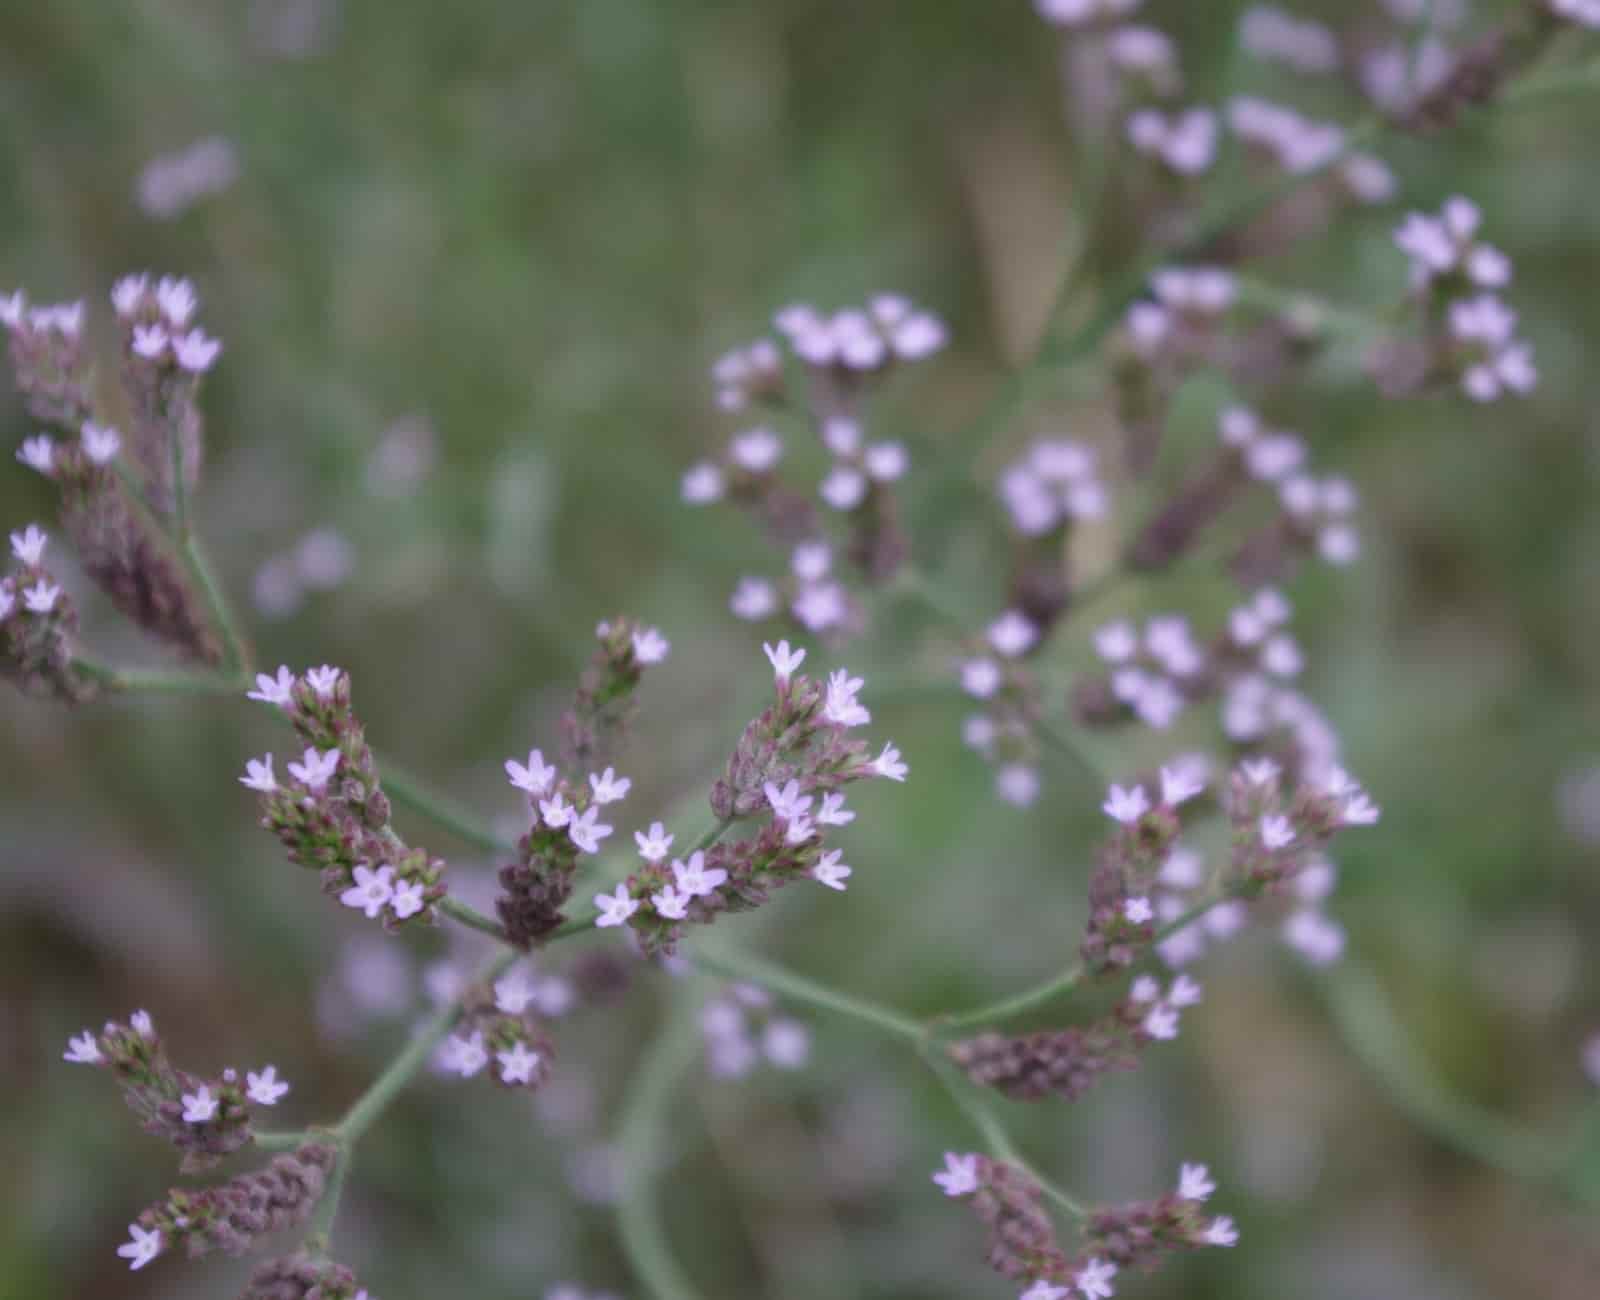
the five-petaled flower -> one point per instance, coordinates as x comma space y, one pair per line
518, 1064
277, 690
841, 707
83, 1050
586, 833
959, 1177
258, 775
372, 892
608, 787
1195, 1183
649, 646
199, 1106
692, 877
615, 908
654, 844
265, 1088
830, 871
144, 1246
315, 770
1126, 806
1094, 1279
784, 660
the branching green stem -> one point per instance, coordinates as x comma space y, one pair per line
461, 822
742, 966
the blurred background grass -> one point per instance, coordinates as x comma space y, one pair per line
525, 230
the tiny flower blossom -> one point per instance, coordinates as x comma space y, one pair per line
83, 1050
518, 1064
1013, 634
784, 660
41, 597
265, 1088
693, 878
830, 871
671, 903
1221, 1232
28, 545
844, 488
1276, 831
1138, 911
586, 833
101, 443
408, 899
959, 1176
1116, 642
1126, 806
702, 485
145, 1245
833, 811
649, 646
316, 770
1017, 783
1184, 992
142, 1024
258, 775
981, 678
1094, 1279
372, 891
1179, 784
654, 844
1162, 1021
841, 707
324, 680
1042, 1290
1145, 989
199, 1106
1194, 1183
127, 294
536, 778
195, 352
753, 599
1314, 936
1259, 771
465, 1056
788, 803
799, 831
38, 453
556, 811
615, 908
150, 341
277, 690
608, 787
176, 299
512, 992
888, 764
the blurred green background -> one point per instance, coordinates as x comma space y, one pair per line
470, 276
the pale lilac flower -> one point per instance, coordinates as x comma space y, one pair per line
1093, 1280
324, 680
811, 561
518, 1064
1179, 784
41, 597
753, 599
1162, 1022
787, 803
702, 485
556, 811
142, 1024
671, 903
693, 878
315, 770
649, 646
1116, 642
586, 833
786, 1043
833, 812
1184, 992
830, 871
101, 443
83, 1050
194, 351
1195, 1183
1017, 784
465, 1056
981, 678
821, 606
757, 450
608, 787
145, 1245
1126, 806
784, 660
258, 775
408, 899
888, 764
176, 299
844, 488
265, 1089
1315, 936
1042, 1290
277, 690
1276, 831
536, 777
885, 461
199, 1106
841, 707
12, 307
918, 337
38, 453
654, 844
1013, 634
372, 890
28, 545
127, 294
799, 831
1221, 1232
959, 1176
1138, 911
1147, 988
513, 991
150, 341
615, 908
1259, 771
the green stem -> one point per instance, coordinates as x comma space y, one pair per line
236, 654
400, 1071
742, 966
319, 1233
175, 681
411, 793
644, 1238
472, 918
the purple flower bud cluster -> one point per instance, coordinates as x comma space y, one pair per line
1139, 1235
53, 369
330, 812
597, 722
234, 1215
304, 1277
38, 622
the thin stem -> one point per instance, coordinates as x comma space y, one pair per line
460, 821
180, 493
644, 1237
742, 966
400, 1071
235, 651
319, 1233
173, 681
469, 916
